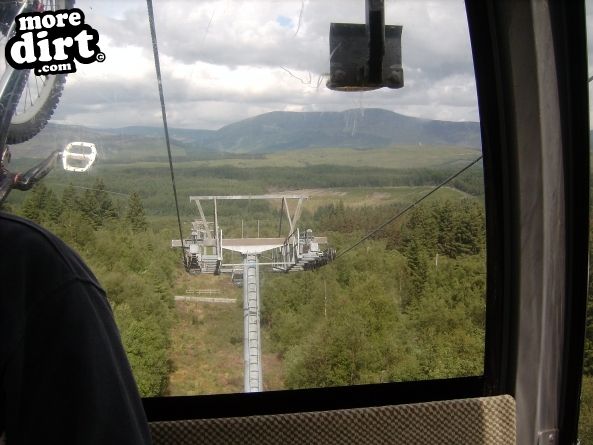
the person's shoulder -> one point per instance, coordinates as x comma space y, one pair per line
24, 235
16, 224
26, 245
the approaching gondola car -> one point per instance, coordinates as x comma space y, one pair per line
531, 72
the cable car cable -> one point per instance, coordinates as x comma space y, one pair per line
409, 207
157, 66
90, 188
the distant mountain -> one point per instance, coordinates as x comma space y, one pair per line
364, 128
266, 133
131, 143
178, 134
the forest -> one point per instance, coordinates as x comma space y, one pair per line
389, 311
152, 180
408, 304
374, 304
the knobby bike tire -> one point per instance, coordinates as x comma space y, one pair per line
25, 125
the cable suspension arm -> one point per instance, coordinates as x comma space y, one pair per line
281, 215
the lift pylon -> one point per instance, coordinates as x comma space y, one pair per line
291, 251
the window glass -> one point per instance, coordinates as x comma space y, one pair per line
317, 170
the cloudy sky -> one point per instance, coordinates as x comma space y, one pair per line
226, 60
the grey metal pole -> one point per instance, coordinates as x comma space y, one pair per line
251, 324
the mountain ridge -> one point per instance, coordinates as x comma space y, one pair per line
266, 133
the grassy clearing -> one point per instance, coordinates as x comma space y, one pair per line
393, 157
374, 176
207, 349
399, 157
207, 342
372, 196
207, 352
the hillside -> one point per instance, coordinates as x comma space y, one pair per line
366, 128
267, 133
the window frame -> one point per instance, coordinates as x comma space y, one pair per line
498, 121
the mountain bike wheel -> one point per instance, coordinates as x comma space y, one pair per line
36, 106
40, 96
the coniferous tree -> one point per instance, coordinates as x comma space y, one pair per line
34, 204
88, 207
470, 230
96, 205
70, 199
53, 207
445, 216
105, 208
135, 216
421, 229
418, 265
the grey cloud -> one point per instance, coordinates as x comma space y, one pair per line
436, 53
207, 32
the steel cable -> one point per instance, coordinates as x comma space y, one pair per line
157, 66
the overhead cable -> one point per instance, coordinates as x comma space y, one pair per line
157, 66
